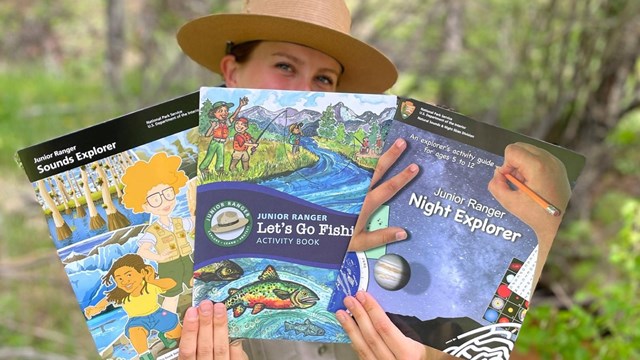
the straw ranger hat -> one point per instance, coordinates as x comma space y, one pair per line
323, 25
228, 221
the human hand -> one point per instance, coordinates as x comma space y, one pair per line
374, 336
541, 172
165, 255
544, 174
90, 311
205, 334
209, 131
362, 239
149, 273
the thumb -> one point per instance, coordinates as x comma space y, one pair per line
500, 189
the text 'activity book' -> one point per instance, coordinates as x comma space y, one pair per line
282, 176
462, 282
118, 199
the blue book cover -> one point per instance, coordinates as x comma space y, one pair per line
108, 193
281, 179
462, 281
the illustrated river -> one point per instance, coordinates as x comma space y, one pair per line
333, 181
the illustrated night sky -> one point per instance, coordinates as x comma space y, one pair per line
454, 272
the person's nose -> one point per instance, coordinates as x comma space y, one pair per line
302, 84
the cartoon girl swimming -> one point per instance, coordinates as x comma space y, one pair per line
136, 291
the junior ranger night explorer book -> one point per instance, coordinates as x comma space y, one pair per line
282, 176
462, 281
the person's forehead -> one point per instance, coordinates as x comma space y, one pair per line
159, 187
123, 270
301, 52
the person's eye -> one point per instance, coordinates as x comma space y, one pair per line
284, 66
326, 80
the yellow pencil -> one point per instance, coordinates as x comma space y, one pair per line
535, 197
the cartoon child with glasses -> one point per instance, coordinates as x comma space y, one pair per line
151, 187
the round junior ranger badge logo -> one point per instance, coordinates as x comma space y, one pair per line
228, 223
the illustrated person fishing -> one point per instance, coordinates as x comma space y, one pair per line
295, 134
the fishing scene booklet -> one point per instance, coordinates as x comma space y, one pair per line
462, 282
118, 198
282, 176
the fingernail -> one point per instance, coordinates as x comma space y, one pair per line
341, 315
191, 314
206, 308
360, 296
401, 235
413, 168
400, 143
219, 309
348, 302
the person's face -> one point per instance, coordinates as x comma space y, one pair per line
221, 113
282, 66
240, 126
161, 200
128, 279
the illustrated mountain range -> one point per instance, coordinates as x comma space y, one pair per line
310, 118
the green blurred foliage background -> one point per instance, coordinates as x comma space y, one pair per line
564, 71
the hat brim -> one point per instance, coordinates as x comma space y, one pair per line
221, 104
366, 69
223, 229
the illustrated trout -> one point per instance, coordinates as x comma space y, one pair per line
270, 292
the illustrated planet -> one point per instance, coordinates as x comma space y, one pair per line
392, 272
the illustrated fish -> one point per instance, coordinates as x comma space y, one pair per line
270, 292
225, 270
307, 328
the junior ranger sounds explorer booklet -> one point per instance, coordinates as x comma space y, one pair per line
462, 281
118, 198
282, 176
